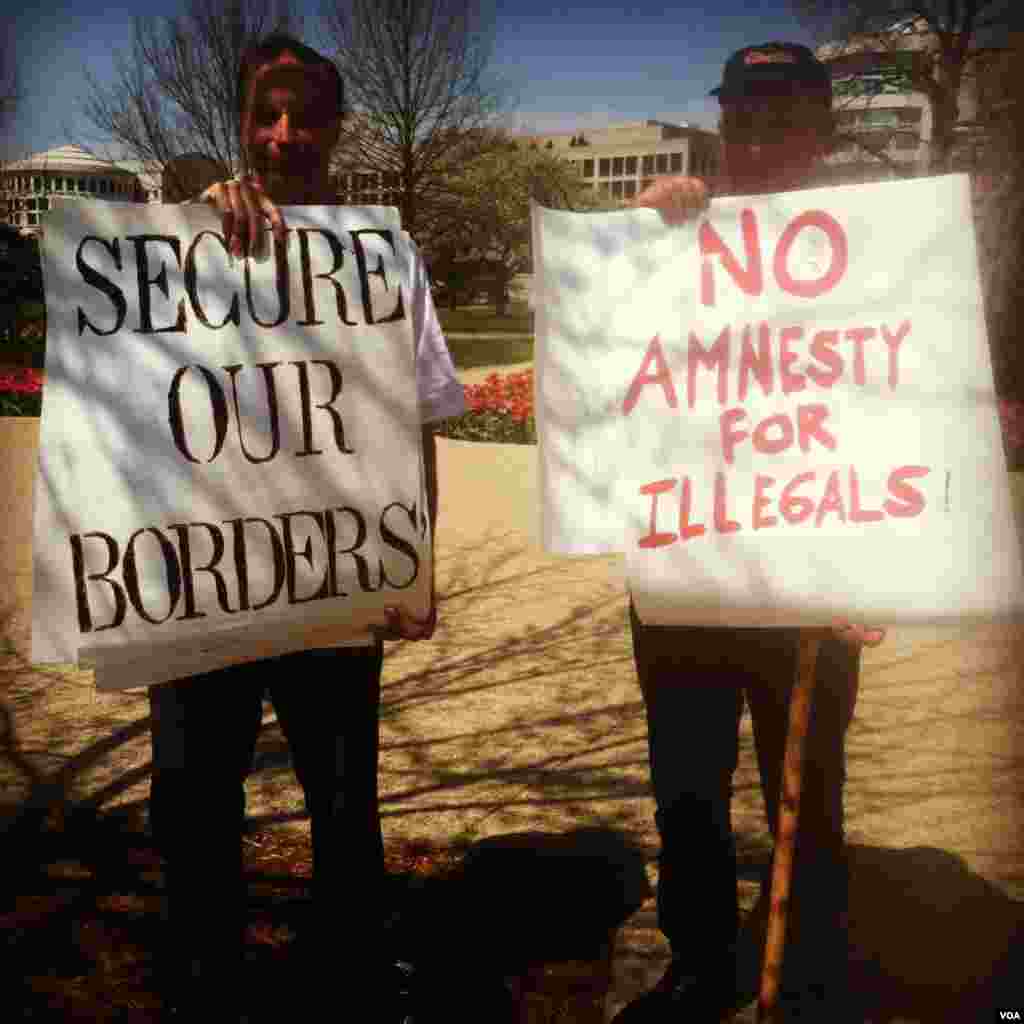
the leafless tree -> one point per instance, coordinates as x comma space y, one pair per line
177, 90
10, 89
421, 102
1000, 218
946, 42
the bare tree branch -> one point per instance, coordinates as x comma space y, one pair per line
421, 102
10, 82
943, 35
176, 92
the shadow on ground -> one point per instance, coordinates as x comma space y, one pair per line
524, 714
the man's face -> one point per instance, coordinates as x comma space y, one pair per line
772, 143
290, 125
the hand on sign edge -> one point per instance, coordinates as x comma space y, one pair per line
678, 199
403, 626
857, 636
243, 204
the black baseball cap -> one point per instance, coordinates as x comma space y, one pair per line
771, 69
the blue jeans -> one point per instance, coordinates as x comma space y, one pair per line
694, 681
204, 732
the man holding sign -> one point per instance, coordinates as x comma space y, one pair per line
205, 727
776, 125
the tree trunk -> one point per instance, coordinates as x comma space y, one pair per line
499, 292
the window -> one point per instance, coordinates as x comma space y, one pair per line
617, 166
44, 203
81, 184
629, 189
631, 165
604, 166
588, 168
59, 185
880, 118
32, 203
662, 164
36, 184
33, 218
617, 189
648, 164
103, 186
677, 163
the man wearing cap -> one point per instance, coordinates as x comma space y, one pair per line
776, 126
291, 101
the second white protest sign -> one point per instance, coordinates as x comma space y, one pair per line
781, 412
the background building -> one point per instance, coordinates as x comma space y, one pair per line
885, 121
26, 186
623, 159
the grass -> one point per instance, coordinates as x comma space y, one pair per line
468, 353
484, 318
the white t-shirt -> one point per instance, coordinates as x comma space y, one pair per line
440, 390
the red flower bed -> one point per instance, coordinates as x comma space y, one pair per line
498, 410
21, 391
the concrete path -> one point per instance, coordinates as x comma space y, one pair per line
524, 713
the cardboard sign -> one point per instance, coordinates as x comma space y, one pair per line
230, 453
781, 412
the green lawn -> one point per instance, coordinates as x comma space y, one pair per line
468, 353
484, 318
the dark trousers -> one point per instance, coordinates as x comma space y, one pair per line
204, 732
694, 681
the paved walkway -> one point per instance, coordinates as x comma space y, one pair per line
523, 713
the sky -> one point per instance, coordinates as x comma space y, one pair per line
564, 67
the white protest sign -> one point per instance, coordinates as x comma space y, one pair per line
782, 412
230, 458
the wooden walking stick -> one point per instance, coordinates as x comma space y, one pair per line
789, 812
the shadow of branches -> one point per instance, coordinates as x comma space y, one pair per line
522, 714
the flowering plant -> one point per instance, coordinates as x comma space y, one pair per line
21, 392
498, 410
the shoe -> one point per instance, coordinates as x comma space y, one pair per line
705, 998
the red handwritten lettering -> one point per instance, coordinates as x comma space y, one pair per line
654, 539
751, 279
837, 267
912, 499
715, 357
662, 376
760, 501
